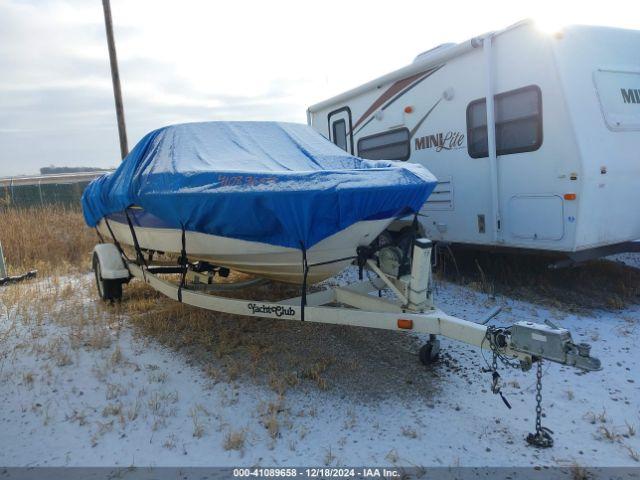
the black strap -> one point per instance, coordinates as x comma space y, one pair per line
363, 254
378, 265
408, 253
184, 262
139, 256
99, 235
305, 266
115, 240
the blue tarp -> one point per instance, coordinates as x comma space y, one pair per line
277, 183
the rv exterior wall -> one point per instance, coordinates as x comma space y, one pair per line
595, 66
570, 141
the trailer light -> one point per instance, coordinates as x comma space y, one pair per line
405, 324
569, 196
408, 109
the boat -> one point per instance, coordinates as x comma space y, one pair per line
262, 198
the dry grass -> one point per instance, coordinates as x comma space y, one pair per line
633, 453
112, 409
631, 430
228, 347
315, 371
281, 355
329, 457
196, 413
393, 456
409, 432
578, 472
51, 239
170, 442
594, 284
594, 418
28, 378
235, 441
609, 434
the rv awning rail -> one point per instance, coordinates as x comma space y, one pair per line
420, 64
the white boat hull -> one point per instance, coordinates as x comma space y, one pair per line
260, 259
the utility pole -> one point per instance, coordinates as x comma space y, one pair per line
3, 269
115, 77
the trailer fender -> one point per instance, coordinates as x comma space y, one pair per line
112, 266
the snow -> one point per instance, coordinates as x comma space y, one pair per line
80, 386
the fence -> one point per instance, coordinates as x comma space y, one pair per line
61, 189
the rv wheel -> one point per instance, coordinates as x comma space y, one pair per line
429, 352
109, 290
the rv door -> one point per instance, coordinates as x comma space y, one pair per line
341, 128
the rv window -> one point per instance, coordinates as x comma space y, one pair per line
518, 123
393, 145
340, 134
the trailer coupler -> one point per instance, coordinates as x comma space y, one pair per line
528, 340
550, 342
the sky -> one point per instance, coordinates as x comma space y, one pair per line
197, 60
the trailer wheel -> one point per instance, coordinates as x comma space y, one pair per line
430, 352
109, 290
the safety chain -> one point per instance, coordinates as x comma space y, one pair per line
542, 438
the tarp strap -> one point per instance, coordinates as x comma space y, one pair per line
115, 240
139, 256
305, 266
184, 262
99, 235
414, 235
414, 224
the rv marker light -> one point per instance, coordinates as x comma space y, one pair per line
569, 196
408, 109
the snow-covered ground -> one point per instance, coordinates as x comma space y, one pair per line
80, 385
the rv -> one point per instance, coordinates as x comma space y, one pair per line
534, 137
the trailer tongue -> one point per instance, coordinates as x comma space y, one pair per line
402, 267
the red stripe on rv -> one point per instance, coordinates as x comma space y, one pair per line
389, 93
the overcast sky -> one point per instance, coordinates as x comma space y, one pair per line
192, 60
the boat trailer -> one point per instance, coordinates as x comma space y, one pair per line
521, 345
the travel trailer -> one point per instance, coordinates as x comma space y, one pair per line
558, 167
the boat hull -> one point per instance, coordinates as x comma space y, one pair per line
260, 259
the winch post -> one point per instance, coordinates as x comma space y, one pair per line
420, 297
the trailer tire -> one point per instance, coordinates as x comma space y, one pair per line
109, 290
